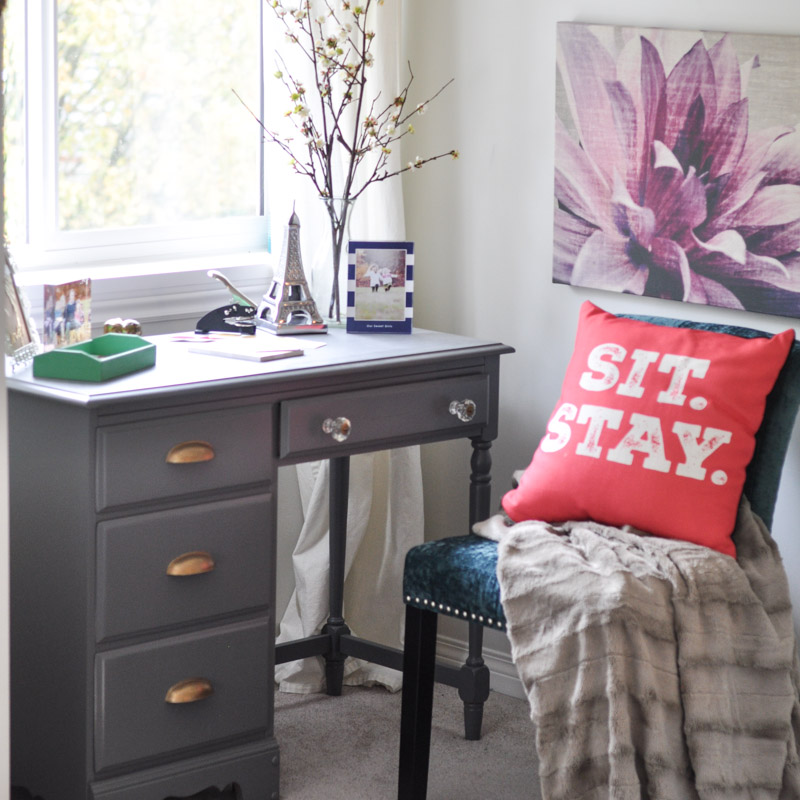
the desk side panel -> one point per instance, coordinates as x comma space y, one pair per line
51, 556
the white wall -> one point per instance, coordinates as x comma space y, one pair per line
483, 225
4, 622
4, 587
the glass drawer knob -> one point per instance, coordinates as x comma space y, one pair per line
338, 428
463, 409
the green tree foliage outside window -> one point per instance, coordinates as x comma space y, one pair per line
148, 131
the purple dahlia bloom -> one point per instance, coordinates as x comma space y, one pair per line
662, 189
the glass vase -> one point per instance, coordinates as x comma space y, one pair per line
339, 210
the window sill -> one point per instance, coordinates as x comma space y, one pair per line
136, 268
169, 294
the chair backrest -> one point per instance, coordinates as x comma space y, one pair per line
772, 439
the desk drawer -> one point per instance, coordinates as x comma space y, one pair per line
253, 767
226, 565
179, 455
381, 416
134, 721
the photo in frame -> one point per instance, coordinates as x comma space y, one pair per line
380, 287
67, 313
22, 337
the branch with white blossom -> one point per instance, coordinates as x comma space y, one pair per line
334, 119
337, 43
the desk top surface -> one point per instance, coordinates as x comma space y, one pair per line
177, 370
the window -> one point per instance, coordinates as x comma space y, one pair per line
124, 139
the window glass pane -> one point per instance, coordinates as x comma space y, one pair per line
149, 130
14, 121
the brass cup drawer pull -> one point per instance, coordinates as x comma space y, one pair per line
195, 563
192, 452
189, 690
339, 428
463, 409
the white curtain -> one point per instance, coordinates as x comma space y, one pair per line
385, 504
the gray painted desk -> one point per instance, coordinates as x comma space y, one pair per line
143, 540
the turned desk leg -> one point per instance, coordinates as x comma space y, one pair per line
480, 481
474, 688
335, 627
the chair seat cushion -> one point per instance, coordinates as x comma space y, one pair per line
456, 576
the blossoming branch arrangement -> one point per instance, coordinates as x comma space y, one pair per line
340, 138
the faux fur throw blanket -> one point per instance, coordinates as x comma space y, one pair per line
654, 668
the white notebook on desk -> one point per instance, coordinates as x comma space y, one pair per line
250, 348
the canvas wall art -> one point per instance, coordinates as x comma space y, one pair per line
677, 165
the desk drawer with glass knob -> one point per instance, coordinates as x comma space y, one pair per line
332, 424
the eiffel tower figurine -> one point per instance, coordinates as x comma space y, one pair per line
288, 306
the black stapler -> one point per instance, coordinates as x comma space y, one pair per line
236, 317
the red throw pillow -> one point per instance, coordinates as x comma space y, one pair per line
654, 428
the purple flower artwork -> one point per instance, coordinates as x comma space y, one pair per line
677, 165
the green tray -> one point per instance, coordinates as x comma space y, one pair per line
100, 359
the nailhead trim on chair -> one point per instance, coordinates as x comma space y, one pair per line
442, 608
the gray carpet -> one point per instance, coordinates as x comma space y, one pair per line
345, 748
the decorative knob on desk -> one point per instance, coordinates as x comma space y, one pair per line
190, 453
196, 562
463, 409
189, 690
338, 428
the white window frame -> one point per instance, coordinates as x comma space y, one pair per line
109, 252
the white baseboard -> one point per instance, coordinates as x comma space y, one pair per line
504, 677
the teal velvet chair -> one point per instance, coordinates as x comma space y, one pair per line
456, 576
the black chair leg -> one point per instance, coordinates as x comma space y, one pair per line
474, 688
419, 661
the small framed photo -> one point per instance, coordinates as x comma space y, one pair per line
380, 287
67, 313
